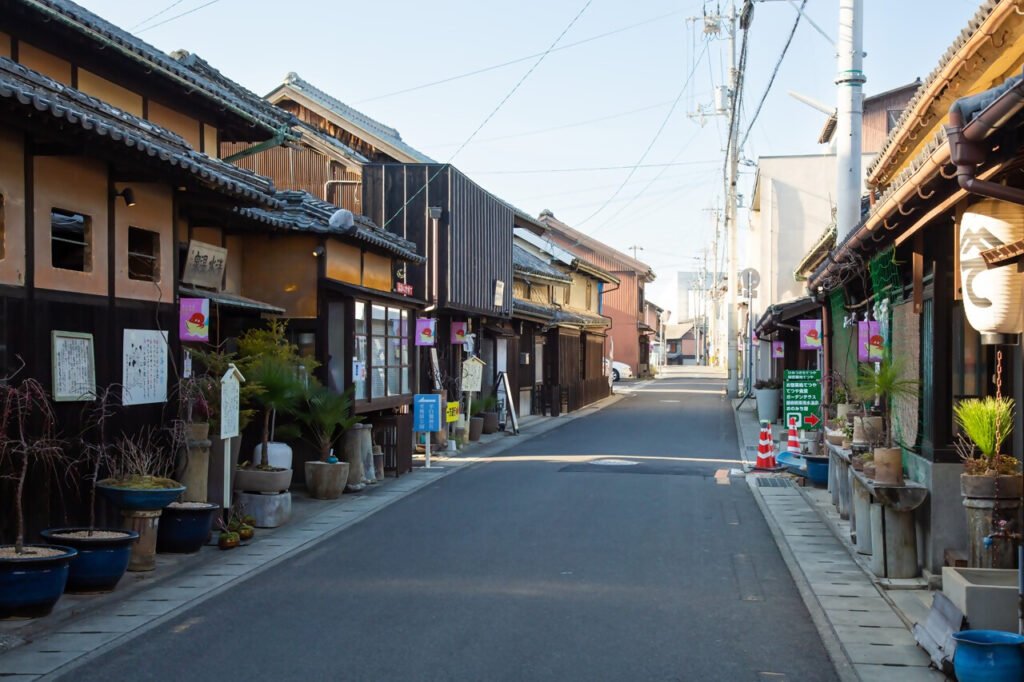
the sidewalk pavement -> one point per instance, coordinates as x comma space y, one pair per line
864, 627
82, 627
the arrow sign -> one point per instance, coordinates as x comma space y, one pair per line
811, 419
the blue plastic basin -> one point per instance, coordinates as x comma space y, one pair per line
988, 656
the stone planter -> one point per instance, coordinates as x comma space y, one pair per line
195, 475
353, 450
987, 596
867, 429
476, 428
989, 500
889, 466
768, 404
326, 481
257, 481
269, 509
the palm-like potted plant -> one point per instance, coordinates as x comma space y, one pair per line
985, 424
280, 390
32, 577
103, 553
326, 416
882, 385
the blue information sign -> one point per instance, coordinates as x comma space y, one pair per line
427, 412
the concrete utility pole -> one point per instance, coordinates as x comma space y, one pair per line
730, 212
634, 249
849, 115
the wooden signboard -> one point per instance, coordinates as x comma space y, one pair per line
74, 366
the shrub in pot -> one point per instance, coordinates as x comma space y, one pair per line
882, 384
325, 417
280, 391
32, 577
103, 553
991, 483
487, 408
767, 392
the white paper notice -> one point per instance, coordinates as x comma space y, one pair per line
144, 360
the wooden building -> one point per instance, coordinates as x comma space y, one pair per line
624, 302
901, 265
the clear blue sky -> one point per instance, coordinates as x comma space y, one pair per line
358, 51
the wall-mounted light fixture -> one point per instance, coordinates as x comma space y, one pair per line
128, 195
319, 251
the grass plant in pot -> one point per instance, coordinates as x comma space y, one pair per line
325, 417
767, 392
991, 482
140, 486
476, 419
487, 407
32, 577
103, 553
882, 384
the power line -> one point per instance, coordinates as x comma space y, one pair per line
517, 60
775, 72
158, 14
654, 139
178, 16
493, 112
592, 168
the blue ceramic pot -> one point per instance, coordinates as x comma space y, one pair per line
101, 562
184, 530
139, 499
30, 586
988, 656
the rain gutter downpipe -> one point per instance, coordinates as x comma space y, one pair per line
966, 140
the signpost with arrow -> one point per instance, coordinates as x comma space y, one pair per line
801, 397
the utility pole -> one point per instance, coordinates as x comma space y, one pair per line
634, 249
849, 115
731, 226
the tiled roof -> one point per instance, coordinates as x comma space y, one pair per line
627, 262
918, 100
302, 212
525, 262
375, 128
108, 35
557, 315
32, 94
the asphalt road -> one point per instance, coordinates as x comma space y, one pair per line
538, 565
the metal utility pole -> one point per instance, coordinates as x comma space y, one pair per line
713, 295
634, 249
732, 169
849, 115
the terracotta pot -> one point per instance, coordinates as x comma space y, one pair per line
326, 481
867, 429
256, 481
889, 466
476, 428
991, 487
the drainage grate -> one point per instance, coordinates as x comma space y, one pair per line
765, 482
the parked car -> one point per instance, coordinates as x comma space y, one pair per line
619, 370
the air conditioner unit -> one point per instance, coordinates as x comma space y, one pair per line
524, 358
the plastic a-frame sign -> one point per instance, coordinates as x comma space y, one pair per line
801, 398
428, 410
472, 374
230, 394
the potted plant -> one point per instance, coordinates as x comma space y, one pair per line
991, 481
882, 385
280, 390
140, 486
103, 553
326, 416
476, 419
32, 577
487, 407
767, 393
841, 396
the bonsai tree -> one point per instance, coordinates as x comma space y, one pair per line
28, 436
881, 386
987, 423
280, 389
95, 442
326, 416
141, 460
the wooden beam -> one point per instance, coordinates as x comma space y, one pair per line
918, 272
959, 216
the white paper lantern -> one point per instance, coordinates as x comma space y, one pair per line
993, 299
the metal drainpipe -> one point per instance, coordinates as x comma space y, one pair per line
339, 182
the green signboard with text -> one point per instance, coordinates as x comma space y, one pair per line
801, 398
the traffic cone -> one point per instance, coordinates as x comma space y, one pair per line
765, 449
793, 446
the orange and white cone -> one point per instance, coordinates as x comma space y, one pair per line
793, 446
766, 449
